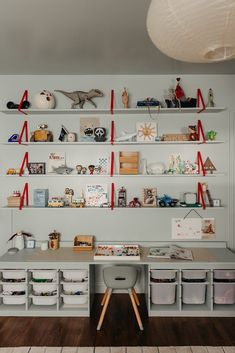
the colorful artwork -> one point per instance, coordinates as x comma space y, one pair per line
146, 131
96, 195
193, 228
117, 252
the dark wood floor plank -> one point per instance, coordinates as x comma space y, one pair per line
119, 329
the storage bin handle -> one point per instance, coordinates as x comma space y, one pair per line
120, 278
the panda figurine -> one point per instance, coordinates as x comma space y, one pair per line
100, 134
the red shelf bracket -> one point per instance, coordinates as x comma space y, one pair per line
25, 195
24, 97
24, 129
25, 162
200, 196
112, 132
200, 100
112, 164
200, 163
200, 131
112, 196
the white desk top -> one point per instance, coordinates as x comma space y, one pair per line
67, 258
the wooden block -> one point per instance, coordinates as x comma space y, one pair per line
199, 349
128, 160
128, 163
123, 171
229, 349
102, 350
215, 349
176, 137
79, 239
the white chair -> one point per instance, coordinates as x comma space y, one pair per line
120, 277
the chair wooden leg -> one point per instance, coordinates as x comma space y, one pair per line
135, 296
104, 297
136, 311
104, 309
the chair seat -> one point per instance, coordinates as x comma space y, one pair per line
120, 277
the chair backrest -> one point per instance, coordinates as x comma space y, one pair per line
120, 277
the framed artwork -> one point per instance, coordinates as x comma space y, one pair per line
149, 198
87, 127
37, 168
146, 131
186, 228
55, 160
208, 228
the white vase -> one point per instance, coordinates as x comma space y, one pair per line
19, 242
44, 100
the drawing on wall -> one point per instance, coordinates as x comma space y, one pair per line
146, 131
87, 127
149, 197
208, 228
192, 228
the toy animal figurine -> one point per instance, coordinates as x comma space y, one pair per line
135, 202
81, 97
63, 170
210, 102
125, 98
211, 135
100, 134
193, 135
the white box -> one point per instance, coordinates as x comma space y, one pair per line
44, 274
74, 275
13, 274
194, 293
41, 300
163, 274
14, 300
75, 287
14, 287
224, 293
75, 299
163, 293
44, 287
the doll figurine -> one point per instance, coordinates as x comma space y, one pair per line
125, 98
79, 168
91, 168
84, 169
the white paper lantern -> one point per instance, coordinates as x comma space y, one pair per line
199, 31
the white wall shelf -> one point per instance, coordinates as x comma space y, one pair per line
130, 111
121, 209
115, 176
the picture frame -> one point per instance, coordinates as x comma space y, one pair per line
149, 197
37, 168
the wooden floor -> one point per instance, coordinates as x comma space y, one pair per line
119, 329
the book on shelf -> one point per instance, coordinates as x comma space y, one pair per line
171, 252
55, 160
97, 195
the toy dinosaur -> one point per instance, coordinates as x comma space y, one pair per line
80, 97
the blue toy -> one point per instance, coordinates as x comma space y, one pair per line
14, 138
166, 201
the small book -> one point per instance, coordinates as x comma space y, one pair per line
55, 160
171, 252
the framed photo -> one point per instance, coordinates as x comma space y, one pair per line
146, 131
37, 168
149, 197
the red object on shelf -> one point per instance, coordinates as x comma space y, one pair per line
112, 196
200, 131
112, 132
200, 163
200, 100
112, 164
200, 196
112, 101
24, 97
25, 195
24, 129
25, 162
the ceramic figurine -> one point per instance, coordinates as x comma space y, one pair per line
84, 170
80, 97
125, 98
91, 168
79, 168
68, 196
44, 100
211, 135
135, 202
97, 170
193, 135
54, 240
210, 102
122, 197
100, 134
71, 137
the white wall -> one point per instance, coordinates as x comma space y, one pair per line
143, 225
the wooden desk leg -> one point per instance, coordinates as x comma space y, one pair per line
135, 296
136, 311
104, 297
104, 309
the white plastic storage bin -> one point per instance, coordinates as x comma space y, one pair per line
14, 287
163, 275
41, 300
75, 287
224, 286
44, 287
163, 293
44, 274
14, 274
194, 290
74, 275
75, 299
14, 300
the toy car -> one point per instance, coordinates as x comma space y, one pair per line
167, 201
55, 202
